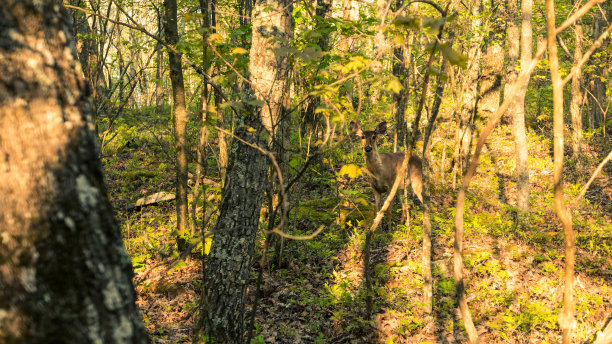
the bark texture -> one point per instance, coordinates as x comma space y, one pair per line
229, 261
269, 70
64, 276
179, 119
227, 272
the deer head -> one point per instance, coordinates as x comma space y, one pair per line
369, 136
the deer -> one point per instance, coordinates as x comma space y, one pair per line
383, 167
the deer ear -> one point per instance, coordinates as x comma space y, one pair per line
355, 128
381, 128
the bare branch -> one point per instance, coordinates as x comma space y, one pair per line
587, 55
584, 189
140, 28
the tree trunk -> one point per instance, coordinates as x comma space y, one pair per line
323, 13
227, 273
64, 275
159, 97
463, 136
517, 108
350, 11
179, 120
601, 61
567, 322
493, 63
400, 71
83, 38
201, 149
229, 261
576, 102
222, 139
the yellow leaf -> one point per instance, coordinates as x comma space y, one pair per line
350, 170
215, 38
239, 51
394, 85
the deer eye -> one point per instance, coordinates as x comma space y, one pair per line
363, 137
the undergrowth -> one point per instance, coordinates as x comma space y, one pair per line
313, 291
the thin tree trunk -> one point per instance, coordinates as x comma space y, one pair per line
576, 102
517, 110
201, 163
64, 275
179, 120
493, 63
567, 322
599, 98
83, 36
462, 155
159, 69
464, 131
222, 139
323, 13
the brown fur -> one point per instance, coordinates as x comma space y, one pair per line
383, 167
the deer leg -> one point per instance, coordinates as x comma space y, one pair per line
377, 203
405, 206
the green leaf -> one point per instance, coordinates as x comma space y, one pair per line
409, 22
434, 25
256, 102
454, 57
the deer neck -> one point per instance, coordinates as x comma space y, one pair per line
373, 161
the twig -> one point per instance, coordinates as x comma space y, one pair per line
172, 48
587, 55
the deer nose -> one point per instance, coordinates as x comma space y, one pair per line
368, 149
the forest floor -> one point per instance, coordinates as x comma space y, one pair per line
313, 291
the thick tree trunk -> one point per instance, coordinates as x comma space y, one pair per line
179, 120
227, 271
400, 71
64, 276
